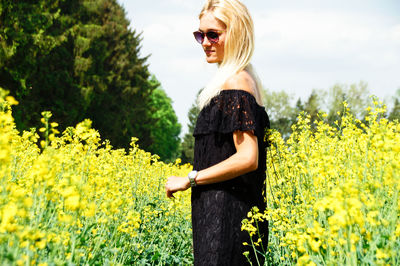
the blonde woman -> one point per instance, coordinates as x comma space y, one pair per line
229, 160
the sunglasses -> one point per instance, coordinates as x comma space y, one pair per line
212, 36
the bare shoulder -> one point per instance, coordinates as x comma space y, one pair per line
240, 81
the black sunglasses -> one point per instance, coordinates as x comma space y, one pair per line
212, 36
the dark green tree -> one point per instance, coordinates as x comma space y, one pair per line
37, 60
120, 102
298, 108
313, 105
165, 132
79, 59
187, 145
395, 112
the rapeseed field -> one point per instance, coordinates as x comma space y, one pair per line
333, 192
71, 199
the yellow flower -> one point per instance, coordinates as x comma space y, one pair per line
397, 232
8, 213
315, 245
72, 202
380, 254
11, 100
304, 260
91, 210
41, 244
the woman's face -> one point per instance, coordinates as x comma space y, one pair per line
214, 51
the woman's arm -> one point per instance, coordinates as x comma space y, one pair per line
243, 161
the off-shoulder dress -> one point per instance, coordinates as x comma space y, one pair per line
219, 208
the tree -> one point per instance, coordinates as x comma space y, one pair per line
277, 105
395, 113
35, 61
187, 145
166, 130
120, 103
313, 105
78, 59
356, 96
298, 108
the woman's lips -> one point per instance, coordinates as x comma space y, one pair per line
208, 52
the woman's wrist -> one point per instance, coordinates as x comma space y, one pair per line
187, 184
199, 178
192, 178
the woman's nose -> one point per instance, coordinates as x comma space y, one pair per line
206, 42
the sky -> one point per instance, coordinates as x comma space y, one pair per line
301, 45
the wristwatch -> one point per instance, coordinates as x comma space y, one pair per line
192, 176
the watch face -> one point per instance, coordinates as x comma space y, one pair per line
192, 174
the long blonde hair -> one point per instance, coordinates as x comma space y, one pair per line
238, 49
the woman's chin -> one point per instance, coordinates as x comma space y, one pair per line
211, 60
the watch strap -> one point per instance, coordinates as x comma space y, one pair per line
192, 176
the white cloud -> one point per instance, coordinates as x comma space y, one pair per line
170, 28
326, 41
312, 32
184, 3
395, 34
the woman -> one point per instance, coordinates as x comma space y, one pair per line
229, 160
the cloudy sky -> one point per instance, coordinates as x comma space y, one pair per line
300, 45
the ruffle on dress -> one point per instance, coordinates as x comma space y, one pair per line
233, 110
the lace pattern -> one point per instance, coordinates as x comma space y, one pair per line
218, 209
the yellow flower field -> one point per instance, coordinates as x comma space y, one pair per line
74, 199
333, 192
70, 198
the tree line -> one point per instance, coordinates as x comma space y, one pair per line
80, 59
283, 111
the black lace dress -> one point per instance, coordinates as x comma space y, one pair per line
218, 209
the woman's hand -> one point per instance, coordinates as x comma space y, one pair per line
176, 183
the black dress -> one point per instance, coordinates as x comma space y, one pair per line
218, 209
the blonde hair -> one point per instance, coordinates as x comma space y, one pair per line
238, 49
